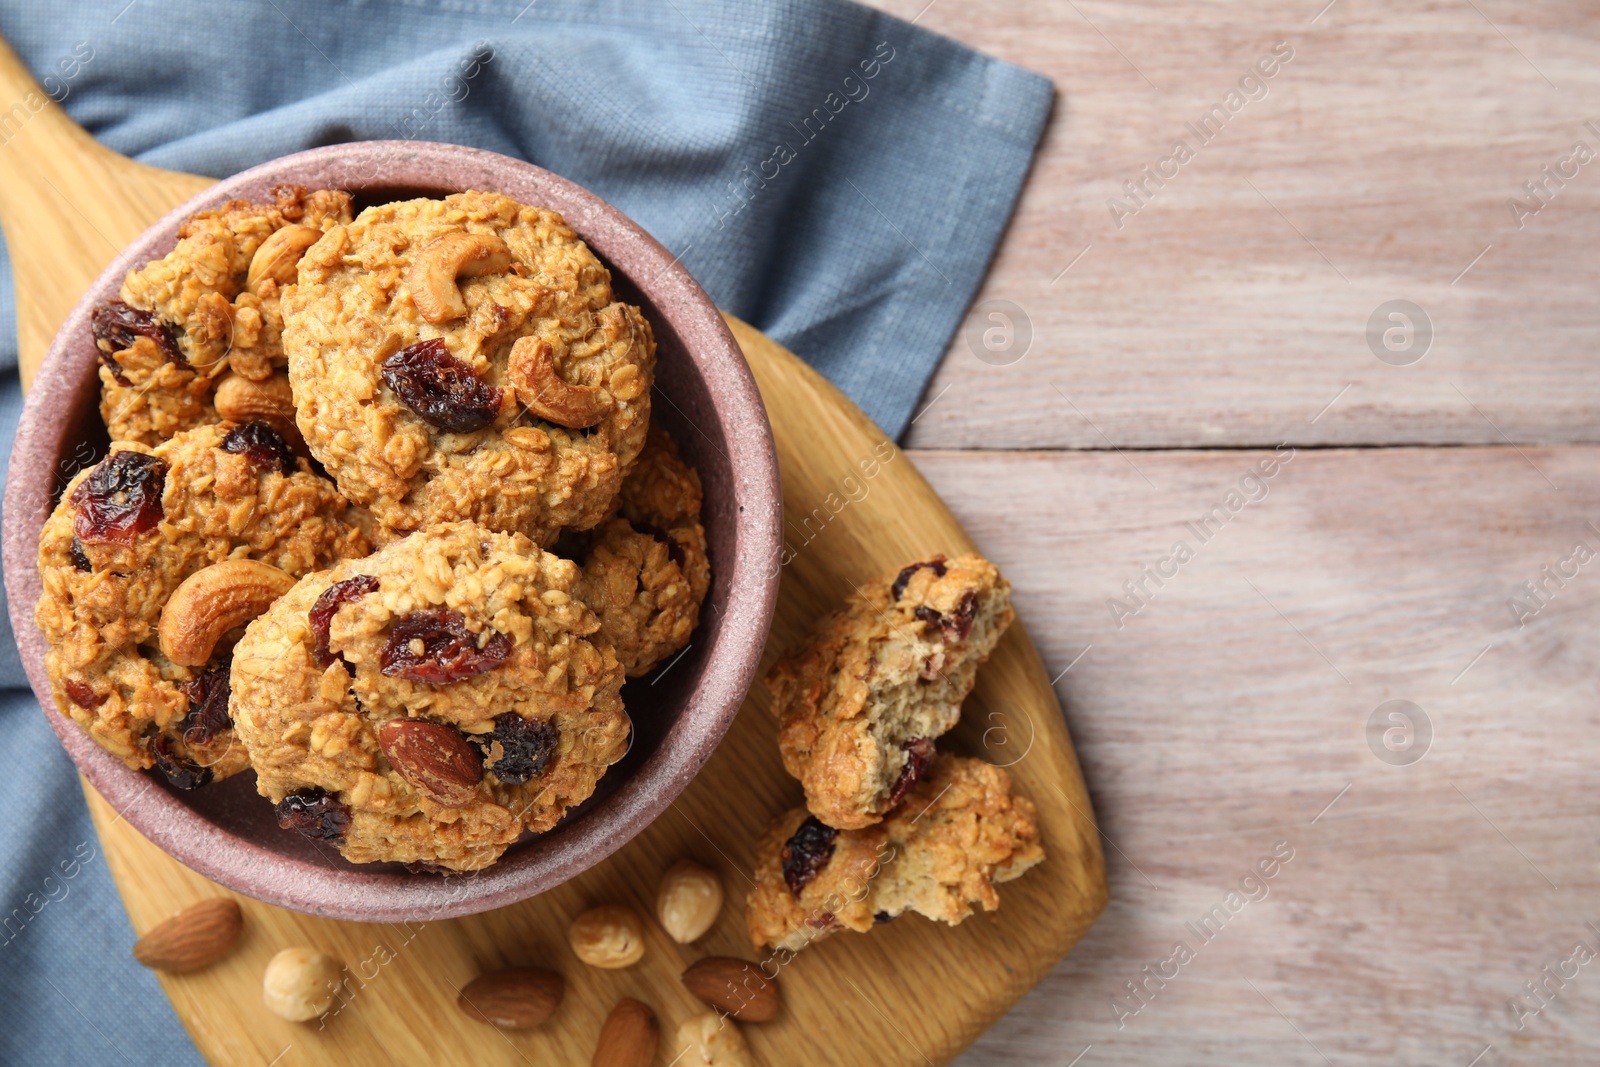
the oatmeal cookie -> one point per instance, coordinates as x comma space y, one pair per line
126, 535
645, 570
429, 703
463, 359
958, 833
860, 705
209, 305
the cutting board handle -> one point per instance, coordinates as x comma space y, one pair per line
68, 204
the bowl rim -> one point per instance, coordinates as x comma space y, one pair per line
752, 575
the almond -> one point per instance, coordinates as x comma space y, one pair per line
736, 986
629, 1037
517, 998
434, 758
198, 935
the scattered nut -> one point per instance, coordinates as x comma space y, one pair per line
532, 373
688, 902
198, 935
517, 998
610, 936
214, 600
434, 758
433, 271
736, 986
712, 1040
299, 983
277, 256
629, 1037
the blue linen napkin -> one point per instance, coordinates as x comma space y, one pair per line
837, 177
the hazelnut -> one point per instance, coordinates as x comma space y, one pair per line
712, 1040
610, 936
299, 983
688, 902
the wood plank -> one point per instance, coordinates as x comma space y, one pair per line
1234, 306
1232, 711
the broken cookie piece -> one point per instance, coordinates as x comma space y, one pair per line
860, 705
958, 833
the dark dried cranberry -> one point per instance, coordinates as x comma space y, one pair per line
936, 565
316, 813
208, 706
120, 499
440, 388
80, 558
879, 918
822, 921
806, 853
82, 694
116, 326
526, 746
179, 771
449, 652
919, 753
261, 445
328, 603
958, 624
926, 614
674, 550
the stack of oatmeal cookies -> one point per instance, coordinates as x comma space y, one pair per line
383, 519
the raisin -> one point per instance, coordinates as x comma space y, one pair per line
120, 499
879, 918
208, 715
80, 558
449, 651
958, 624
936, 565
526, 746
440, 388
261, 445
806, 853
919, 753
82, 694
328, 603
674, 550
926, 614
116, 326
183, 773
315, 813
823, 921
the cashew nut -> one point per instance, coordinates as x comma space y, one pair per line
239, 399
214, 600
532, 373
279, 254
433, 271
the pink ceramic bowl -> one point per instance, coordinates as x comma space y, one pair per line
704, 395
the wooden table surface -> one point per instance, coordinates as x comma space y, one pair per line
1226, 710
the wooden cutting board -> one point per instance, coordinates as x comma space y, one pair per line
912, 992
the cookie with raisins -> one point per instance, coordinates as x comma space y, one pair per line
127, 533
465, 359
209, 306
430, 703
958, 833
860, 703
